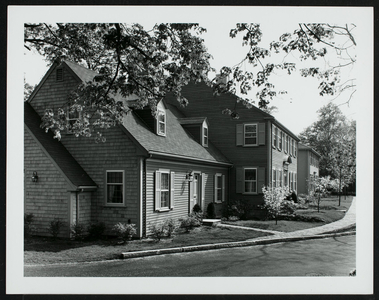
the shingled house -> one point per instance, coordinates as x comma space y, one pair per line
150, 169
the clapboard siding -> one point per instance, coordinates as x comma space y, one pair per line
182, 186
48, 198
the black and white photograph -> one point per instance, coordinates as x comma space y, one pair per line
190, 150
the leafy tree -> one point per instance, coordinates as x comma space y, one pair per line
344, 158
28, 89
275, 201
148, 64
322, 186
309, 42
324, 136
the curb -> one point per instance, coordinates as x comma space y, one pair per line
144, 253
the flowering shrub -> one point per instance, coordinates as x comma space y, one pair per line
274, 201
125, 231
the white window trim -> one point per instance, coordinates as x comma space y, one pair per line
161, 111
68, 119
123, 188
280, 140
222, 188
273, 139
203, 135
158, 190
244, 134
256, 180
273, 179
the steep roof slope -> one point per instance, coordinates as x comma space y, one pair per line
56, 151
176, 142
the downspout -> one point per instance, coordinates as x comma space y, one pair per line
77, 207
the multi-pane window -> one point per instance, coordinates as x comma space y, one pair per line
205, 136
250, 134
250, 180
274, 136
115, 187
161, 123
280, 137
219, 187
291, 147
280, 178
164, 190
72, 117
287, 143
295, 148
273, 178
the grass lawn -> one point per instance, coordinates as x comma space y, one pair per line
329, 212
40, 250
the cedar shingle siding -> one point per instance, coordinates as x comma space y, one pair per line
46, 199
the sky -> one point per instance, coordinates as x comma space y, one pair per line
297, 109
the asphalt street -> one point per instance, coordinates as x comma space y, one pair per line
321, 257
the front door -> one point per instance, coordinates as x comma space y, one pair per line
195, 191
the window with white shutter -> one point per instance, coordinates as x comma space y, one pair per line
164, 190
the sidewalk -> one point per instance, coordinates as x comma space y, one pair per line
277, 237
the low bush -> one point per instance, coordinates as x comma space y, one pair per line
196, 208
233, 219
166, 228
124, 231
288, 207
190, 222
241, 208
78, 231
55, 228
171, 226
301, 218
96, 230
28, 227
211, 211
157, 231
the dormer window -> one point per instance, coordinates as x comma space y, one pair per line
205, 135
161, 122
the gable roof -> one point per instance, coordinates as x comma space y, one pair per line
177, 141
55, 150
195, 90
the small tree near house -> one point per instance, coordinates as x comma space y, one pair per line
321, 186
275, 201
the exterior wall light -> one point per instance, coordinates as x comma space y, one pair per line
189, 176
35, 177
